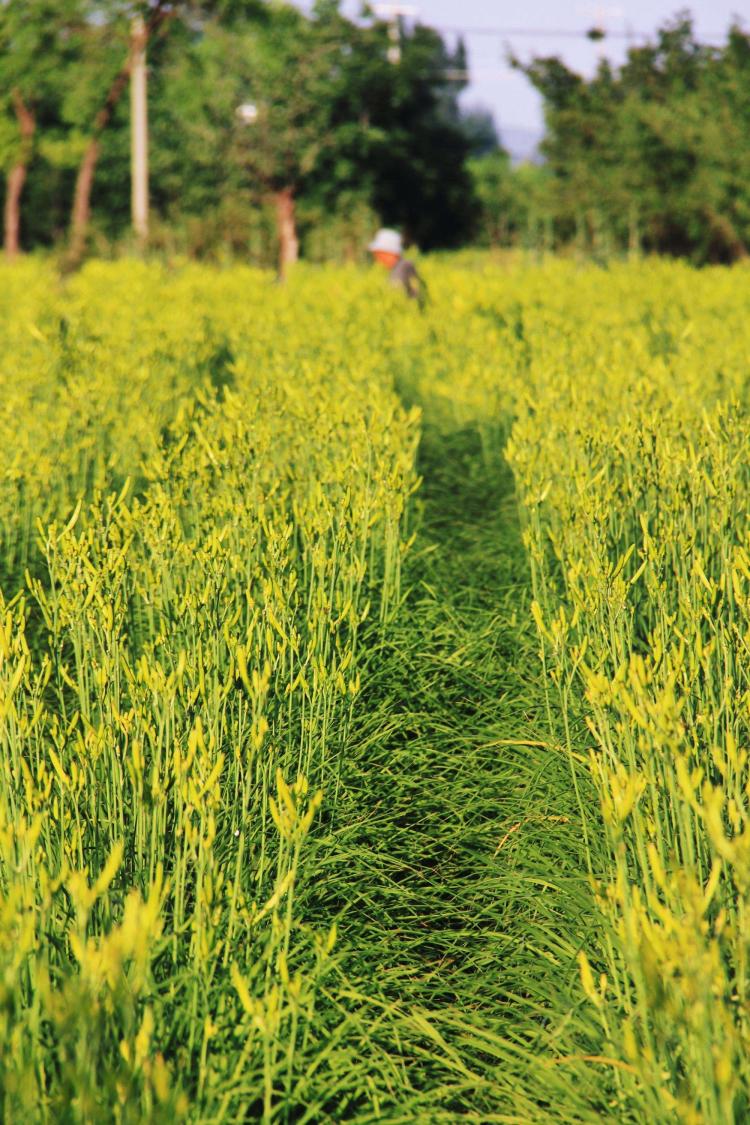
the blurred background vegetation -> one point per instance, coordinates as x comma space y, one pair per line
651, 156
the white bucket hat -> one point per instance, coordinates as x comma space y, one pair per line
388, 241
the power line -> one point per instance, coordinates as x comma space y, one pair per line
592, 33
596, 35
542, 33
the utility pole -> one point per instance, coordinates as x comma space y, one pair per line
138, 132
393, 14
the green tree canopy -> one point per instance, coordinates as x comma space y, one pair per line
655, 153
338, 125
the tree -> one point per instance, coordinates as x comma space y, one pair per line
335, 119
416, 161
339, 129
17, 173
513, 204
655, 153
291, 70
38, 40
479, 129
497, 213
113, 20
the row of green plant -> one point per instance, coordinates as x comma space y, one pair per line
629, 451
205, 518
214, 610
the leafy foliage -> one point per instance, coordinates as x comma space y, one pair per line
653, 155
338, 126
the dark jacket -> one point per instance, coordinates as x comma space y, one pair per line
404, 273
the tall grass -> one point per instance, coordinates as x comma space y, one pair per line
634, 477
195, 544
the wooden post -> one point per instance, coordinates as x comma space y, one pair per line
139, 133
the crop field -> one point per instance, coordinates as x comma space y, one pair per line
375, 695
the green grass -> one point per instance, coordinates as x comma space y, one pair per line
455, 864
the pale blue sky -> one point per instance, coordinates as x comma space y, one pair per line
507, 93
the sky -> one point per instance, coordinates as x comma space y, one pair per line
515, 105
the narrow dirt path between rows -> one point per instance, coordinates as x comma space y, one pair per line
456, 864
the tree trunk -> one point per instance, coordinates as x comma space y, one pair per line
17, 176
287, 231
634, 233
726, 244
79, 222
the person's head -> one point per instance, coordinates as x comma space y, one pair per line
386, 247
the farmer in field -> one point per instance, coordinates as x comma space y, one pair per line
388, 249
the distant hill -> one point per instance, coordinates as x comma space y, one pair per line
522, 143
